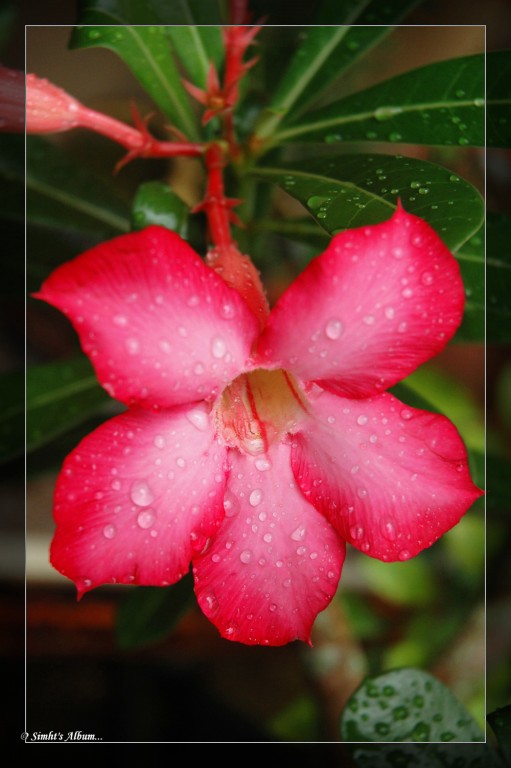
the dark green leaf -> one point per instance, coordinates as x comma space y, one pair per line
500, 721
348, 191
12, 171
65, 195
147, 614
12, 417
146, 51
164, 12
498, 79
498, 278
156, 203
439, 104
326, 51
407, 705
59, 396
8, 12
471, 258
196, 48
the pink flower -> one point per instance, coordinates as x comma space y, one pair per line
257, 455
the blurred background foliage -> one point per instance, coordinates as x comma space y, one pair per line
146, 669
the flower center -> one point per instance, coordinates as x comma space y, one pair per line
257, 408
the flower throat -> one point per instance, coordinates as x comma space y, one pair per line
257, 408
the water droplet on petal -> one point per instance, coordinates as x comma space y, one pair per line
390, 313
246, 556
159, 441
389, 530
299, 533
132, 346
218, 347
262, 464
199, 418
109, 531
405, 554
120, 320
427, 278
255, 497
406, 414
145, 519
141, 494
362, 419
333, 329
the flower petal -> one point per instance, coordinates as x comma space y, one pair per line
160, 327
138, 497
390, 478
377, 303
275, 561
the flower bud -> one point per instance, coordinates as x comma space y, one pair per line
49, 109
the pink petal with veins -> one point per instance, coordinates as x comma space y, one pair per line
159, 326
138, 498
390, 478
377, 303
275, 561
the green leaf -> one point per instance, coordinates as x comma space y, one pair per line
498, 279
346, 191
326, 51
196, 48
147, 614
66, 196
146, 51
439, 104
12, 171
500, 721
12, 416
154, 11
59, 396
407, 705
498, 79
156, 203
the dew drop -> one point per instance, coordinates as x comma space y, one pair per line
227, 311
145, 519
389, 530
427, 278
362, 419
406, 414
180, 462
211, 602
268, 538
218, 347
299, 533
199, 418
407, 293
390, 313
159, 441
263, 464
356, 532
405, 554
333, 329
120, 320
397, 252
255, 497
402, 327
141, 494
361, 493
246, 556
132, 346
272, 607
369, 319
193, 301
109, 531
